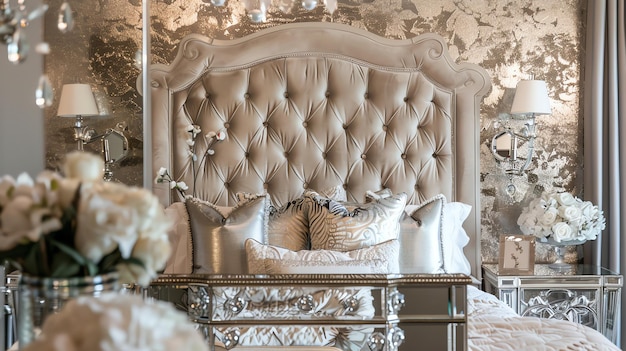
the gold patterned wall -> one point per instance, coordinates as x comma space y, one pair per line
509, 38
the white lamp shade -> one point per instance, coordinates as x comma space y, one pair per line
77, 100
531, 96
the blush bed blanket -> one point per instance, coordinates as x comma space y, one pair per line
492, 326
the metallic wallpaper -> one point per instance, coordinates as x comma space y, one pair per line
509, 38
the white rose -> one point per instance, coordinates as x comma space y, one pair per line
548, 217
23, 221
587, 209
561, 231
84, 166
153, 254
570, 213
565, 199
115, 322
104, 223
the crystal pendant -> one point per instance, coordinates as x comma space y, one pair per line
331, 5
44, 93
138, 59
309, 4
285, 6
218, 2
65, 22
17, 49
257, 16
257, 9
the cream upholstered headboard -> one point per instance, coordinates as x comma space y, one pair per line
315, 105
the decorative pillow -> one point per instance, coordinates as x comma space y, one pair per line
289, 224
180, 238
421, 238
269, 259
343, 227
218, 240
453, 237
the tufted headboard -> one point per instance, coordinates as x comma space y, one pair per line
315, 105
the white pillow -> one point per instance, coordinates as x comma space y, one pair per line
269, 259
454, 237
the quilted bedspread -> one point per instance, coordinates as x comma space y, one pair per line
492, 326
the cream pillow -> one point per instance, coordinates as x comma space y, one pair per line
218, 240
269, 259
343, 227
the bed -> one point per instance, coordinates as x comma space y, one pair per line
315, 148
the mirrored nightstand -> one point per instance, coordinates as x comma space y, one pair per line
584, 294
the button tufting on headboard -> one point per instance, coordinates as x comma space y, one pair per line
318, 105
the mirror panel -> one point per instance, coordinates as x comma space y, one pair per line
504, 146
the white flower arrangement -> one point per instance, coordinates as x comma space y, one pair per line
113, 322
79, 225
561, 217
163, 175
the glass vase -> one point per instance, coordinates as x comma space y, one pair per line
39, 297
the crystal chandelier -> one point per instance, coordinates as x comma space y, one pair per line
13, 21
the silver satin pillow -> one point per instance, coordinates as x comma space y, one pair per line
343, 227
421, 249
219, 241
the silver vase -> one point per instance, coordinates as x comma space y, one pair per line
560, 249
39, 297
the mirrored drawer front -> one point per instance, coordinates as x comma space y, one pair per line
576, 305
346, 337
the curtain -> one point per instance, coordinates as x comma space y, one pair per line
605, 132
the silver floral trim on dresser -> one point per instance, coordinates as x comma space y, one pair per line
564, 304
395, 301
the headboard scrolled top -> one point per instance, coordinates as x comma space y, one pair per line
316, 105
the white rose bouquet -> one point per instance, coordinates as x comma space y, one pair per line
79, 225
561, 217
114, 322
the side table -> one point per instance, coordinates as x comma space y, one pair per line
584, 294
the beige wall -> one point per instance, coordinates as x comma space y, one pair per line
21, 121
509, 38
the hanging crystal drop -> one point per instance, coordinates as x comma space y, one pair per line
138, 59
331, 5
285, 6
17, 49
44, 93
66, 18
257, 9
309, 4
218, 2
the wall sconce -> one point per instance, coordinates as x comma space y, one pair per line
78, 101
531, 99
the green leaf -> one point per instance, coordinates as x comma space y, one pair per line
63, 266
70, 251
109, 261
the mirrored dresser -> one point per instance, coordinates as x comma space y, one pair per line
350, 312
583, 294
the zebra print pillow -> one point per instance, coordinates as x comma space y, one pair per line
288, 225
343, 227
